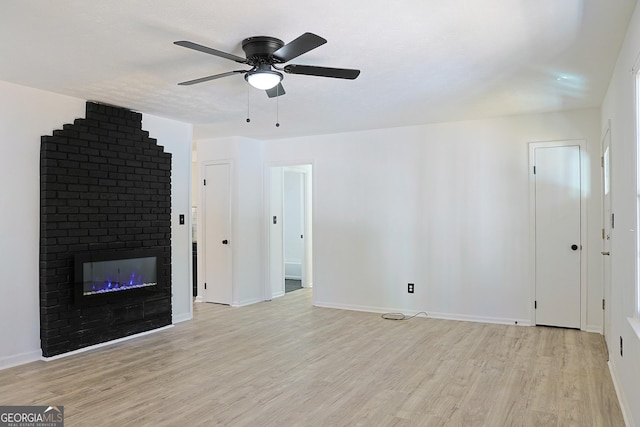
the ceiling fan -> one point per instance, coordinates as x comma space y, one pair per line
264, 55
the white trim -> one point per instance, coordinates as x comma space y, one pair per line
635, 325
105, 344
480, 319
431, 314
266, 178
637, 144
183, 317
278, 294
636, 65
594, 329
584, 183
606, 281
246, 302
624, 406
19, 359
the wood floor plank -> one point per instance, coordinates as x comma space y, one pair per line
287, 363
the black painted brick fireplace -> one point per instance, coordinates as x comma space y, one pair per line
105, 185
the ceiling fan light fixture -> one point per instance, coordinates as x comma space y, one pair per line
263, 79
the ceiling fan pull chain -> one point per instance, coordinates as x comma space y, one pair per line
277, 104
248, 105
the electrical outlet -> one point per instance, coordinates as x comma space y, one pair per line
410, 288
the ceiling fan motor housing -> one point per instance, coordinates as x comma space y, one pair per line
259, 49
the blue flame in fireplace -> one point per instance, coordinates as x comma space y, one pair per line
119, 275
112, 285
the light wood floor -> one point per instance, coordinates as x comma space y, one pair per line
286, 363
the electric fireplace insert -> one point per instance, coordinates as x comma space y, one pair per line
110, 275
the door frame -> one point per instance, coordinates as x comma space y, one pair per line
581, 143
303, 173
308, 225
606, 284
201, 232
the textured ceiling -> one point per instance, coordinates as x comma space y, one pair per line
422, 61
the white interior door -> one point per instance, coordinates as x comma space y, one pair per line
557, 236
607, 224
217, 233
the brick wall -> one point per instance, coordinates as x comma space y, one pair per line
104, 185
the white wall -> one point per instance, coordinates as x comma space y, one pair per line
176, 138
195, 179
443, 206
25, 115
275, 257
619, 107
247, 217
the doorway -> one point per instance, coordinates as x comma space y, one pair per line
290, 233
557, 203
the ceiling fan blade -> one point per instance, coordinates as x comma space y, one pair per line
276, 91
210, 51
215, 76
309, 70
297, 47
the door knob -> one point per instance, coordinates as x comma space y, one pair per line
605, 253
574, 247
225, 242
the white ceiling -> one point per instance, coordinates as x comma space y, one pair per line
422, 61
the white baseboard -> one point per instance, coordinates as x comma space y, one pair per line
626, 413
432, 314
199, 299
595, 329
624, 407
182, 318
364, 308
245, 302
480, 319
277, 294
19, 359
105, 344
